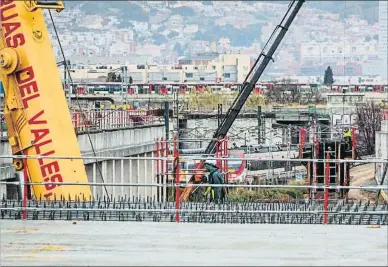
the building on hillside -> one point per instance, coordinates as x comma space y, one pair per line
206, 69
350, 69
223, 45
383, 39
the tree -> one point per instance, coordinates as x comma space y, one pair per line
207, 99
283, 93
254, 100
328, 78
178, 48
111, 77
368, 123
184, 11
207, 3
173, 34
312, 96
159, 39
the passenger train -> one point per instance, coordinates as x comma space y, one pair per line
237, 168
163, 89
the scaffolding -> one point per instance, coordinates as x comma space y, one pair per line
317, 147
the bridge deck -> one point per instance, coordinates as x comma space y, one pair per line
168, 244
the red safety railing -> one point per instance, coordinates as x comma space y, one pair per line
177, 171
106, 119
326, 191
384, 115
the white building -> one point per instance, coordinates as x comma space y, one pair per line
342, 109
229, 68
383, 38
223, 45
333, 53
118, 48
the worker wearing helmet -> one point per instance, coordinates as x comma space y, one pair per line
217, 194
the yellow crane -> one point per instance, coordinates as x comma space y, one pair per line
35, 109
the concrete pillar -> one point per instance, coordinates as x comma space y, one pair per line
141, 176
103, 178
128, 174
134, 171
145, 176
3, 190
149, 168
134, 176
117, 178
153, 175
94, 171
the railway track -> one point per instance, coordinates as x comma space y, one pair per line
266, 212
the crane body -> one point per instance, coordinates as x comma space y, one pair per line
248, 85
36, 112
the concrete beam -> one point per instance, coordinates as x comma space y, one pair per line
118, 143
120, 151
126, 142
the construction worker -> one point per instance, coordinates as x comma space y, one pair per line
347, 133
217, 194
347, 137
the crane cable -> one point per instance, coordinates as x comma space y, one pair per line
77, 100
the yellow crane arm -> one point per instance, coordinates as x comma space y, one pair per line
36, 112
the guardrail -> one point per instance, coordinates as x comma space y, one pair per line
104, 119
107, 119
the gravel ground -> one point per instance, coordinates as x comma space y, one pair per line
91, 243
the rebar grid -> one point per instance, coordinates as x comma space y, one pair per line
137, 209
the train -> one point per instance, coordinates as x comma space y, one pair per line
237, 168
165, 89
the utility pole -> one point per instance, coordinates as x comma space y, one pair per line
167, 118
343, 113
258, 125
289, 143
219, 115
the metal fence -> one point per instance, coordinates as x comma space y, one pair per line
103, 119
134, 189
110, 119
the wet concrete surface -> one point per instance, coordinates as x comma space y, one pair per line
59, 243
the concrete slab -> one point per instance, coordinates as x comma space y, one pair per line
117, 243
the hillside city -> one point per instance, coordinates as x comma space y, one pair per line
163, 32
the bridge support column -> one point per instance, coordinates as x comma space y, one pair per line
133, 171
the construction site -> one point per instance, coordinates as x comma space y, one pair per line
153, 187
